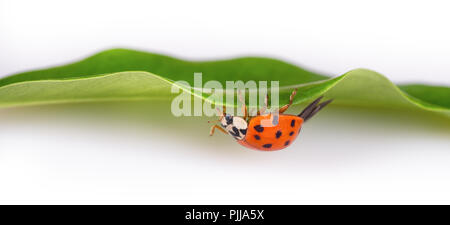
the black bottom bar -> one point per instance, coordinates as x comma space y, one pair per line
188, 214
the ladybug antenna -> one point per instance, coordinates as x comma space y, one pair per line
313, 108
221, 113
220, 117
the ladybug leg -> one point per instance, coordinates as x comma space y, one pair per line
214, 127
262, 111
291, 99
244, 106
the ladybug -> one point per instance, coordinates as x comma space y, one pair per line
250, 132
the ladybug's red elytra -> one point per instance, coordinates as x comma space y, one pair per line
249, 132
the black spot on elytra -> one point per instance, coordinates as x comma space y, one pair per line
243, 131
287, 143
257, 137
275, 120
278, 134
292, 123
259, 128
267, 145
292, 133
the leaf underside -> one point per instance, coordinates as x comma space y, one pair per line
121, 74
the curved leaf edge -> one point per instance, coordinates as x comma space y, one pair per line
328, 85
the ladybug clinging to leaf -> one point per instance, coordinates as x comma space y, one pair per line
251, 132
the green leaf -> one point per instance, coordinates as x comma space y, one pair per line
122, 74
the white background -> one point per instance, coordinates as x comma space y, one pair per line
344, 156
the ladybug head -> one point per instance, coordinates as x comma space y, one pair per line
234, 125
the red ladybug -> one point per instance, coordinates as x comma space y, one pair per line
249, 132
